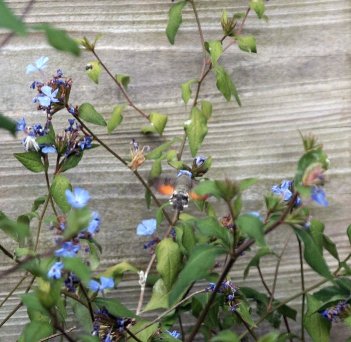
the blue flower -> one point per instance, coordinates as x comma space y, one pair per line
174, 333
318, 195
184, 172
283, 190
55, 270
48, 149
78, 198
105, 283
38, 130
40, 64
146, 227
47, 96
70, 127
199, 160
85, 142
68, 250
21, 125
94, 224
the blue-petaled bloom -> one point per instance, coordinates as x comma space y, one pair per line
85, 142
70, 127
78, 198
108, 338
55, 270
94, 224
336, 312
318, 195
174, 333
38, 130
47, 96
21, 125
39, 65
146, 227
68, 250
105, 283
48, 149
283, 190
199, 160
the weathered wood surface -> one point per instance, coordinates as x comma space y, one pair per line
299, 80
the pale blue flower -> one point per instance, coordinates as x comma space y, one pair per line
21, 125
78, 198
39, 65
94, 224
105, 283
55, 270
146, 227
68, 250
47, 96
48, 149
318, 195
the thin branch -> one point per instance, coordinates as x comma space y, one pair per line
303, 290
6, 252
120, 86
56, 335
64, 333
13, 290
201, 34
41, 218
49, 192
132, 335
90, 307
251, 332
263, 281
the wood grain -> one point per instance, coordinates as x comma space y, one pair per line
299, 80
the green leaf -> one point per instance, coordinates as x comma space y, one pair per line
117, 271
58, 188
81, 314
200, 263
36, 330
144, 334
38, 202
317, 326
330, 246
123, 79
88, 113
156, 169
247, 43
93, 70
169, 260
10, 21
210, 227
206, 108
71, 161
76, 265
225, 336
196, 130
270, 337
186, 90
255, 261
185, 237
312, 254
77, 220
156, 153
215, 49
148, 129
31, 160
116, 118
5, 122
59, 39
316, 230
114, 306
247, 183
49, 138
158, 121
159, 297
349, 232
94, 255
225, 84
253, 227
18, 231
243, 310
174, 20
258, 7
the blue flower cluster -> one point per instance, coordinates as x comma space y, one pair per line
334, 314
174, 333
229, 290
285, 191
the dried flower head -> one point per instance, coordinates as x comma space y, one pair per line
137, 155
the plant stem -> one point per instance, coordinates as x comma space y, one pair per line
41, 218
202, 40
120, 86
251, 332
132, 335
49, 193
303, 290
263, 281
6, 252
91, 311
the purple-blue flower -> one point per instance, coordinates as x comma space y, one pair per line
55, 270
68, 250
94, 224
318, 195
70, 127
199, 160
174, 333
47, 96
78, 198
105, 283
39, 65
146, 227
21, 125
85, 142
284, 190
38, 130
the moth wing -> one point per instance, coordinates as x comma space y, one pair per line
164, 185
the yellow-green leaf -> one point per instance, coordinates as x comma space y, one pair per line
116, 118
88, 113
158, 121
174, 20
93, 70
